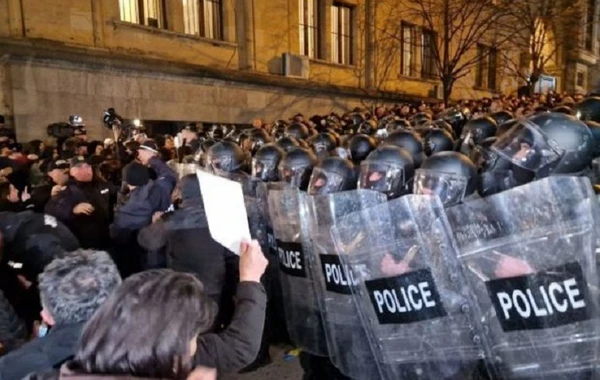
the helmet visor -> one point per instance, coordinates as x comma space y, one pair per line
220, 165
295, 176
483, 158
385, 178
323, 182
525, 145
449, 187
264, 170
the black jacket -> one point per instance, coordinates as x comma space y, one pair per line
42, 354
189, 246
12, 330
33, 240
91, 230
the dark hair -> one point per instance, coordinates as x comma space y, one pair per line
145, 327
4, 190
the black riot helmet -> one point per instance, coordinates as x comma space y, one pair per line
420, 119
367, 127
588, 109
297, 130
258, 138
505, 127
442, 124
449, 175
475, 131
437, 140
548, 143
563, 109
287, 143
332, 175
389, 170
496, 173
225, 157
456, 118
202, 151
322, 144
502, 117
296, 167
360, 146
595, 129
410, 141
266, 162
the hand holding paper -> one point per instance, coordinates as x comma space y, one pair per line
225, 210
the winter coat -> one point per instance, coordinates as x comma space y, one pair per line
91, 230
189, 247
229, 351
165, 182
33, 240
12, 330
42, 354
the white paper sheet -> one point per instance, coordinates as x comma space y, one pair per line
225, 210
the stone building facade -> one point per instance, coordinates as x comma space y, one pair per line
201, 60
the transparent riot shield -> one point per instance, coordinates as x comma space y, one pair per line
183, 169
347, 341
288, 210
413, 301
529, 256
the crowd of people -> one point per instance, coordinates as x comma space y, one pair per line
107, 263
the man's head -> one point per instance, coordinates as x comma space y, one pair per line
135, 175
58, 171
190, 132
73, 287
81, 170
146, 151
82, 148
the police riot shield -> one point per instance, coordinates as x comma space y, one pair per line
529, 256
347, 341
413, 301
183, 169
288, 210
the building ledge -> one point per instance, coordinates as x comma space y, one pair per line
60, 55
129, 25
583, 56
332, 64
429, 81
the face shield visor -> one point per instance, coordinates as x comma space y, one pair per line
449, 187
526, 146
323, 182
265, 170
220, 165
385, 178
295, 176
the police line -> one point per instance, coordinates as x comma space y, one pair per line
431, 295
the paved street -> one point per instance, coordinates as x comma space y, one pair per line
279, 369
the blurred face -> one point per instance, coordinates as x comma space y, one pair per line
13, 196
82, 151
82, 173
169, 144
99, 150
59, 176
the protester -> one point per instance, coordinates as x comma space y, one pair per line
181, 233
12, 330
71, 289
85, 205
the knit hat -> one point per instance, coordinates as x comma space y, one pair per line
135, 174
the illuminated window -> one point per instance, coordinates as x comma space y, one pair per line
487, 67
143, 12
341, 34
428, 62
407, 54
309, 31
203, 18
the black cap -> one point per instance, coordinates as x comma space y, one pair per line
135, 174
58, 164
78, 160
191, 127
149, 145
